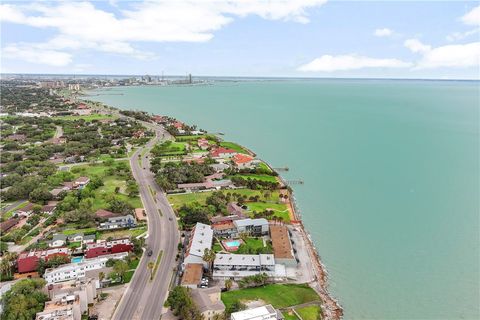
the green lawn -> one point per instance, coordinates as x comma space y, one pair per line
177, 200
175, 148
73, 245
69, 232
279, 209
310, 312
253, 246
234, 146
264, 166
289, 316
128, 276
217, 247
86, 118
195, 138
262, 177
122, 233
133, 264
279, 295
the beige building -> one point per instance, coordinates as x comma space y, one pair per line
208, 302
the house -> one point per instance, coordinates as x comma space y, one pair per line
260, 313
77, 237
192, 275
16, 137
282, 246
224, 229
222, 153
28, 261
238, 266
119, 222
203, 143
88, 239
74, 271
235, 209
26, 210
81, 182
208, 302
244, 161
105, 214
48, 209
8, 224
178, 125
219, 167
201, 240
68, 185
159, 119
57, 191
253, 227
59, 240
82, 112
101, 248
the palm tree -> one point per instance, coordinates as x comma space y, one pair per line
101, 276
228, 284
150, 266
209, 256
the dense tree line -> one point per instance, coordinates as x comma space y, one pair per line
171, 174
181, 303
24, 300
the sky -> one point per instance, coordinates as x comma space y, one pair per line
276, 38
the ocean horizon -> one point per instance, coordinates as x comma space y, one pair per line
390, 170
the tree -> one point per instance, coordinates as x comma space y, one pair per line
181, 303
235, 306
24, 300
120, 268
209, 256
150, 267
228, 284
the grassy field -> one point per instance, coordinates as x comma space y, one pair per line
279, 209
234, 146
264, 166
253, 246
195, 138
110, 184
309, 313
122, 233
289, 315
262, 177
69, 232
279, 295
86, 118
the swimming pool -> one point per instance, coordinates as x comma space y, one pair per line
232, 243
77, 259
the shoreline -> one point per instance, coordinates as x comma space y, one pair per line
331, 309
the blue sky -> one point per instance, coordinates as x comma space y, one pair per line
300, 38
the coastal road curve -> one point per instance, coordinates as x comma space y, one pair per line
143, 298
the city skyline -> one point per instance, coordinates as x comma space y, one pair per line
300, 39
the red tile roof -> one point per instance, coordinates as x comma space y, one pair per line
240, 158
221, 150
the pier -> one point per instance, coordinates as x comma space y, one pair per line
293, 182
281, 169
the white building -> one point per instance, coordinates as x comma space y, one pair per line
58, 240
201, 239
261, 313
242, 265
254, 227
74, 271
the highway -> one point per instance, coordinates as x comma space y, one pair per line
143, 298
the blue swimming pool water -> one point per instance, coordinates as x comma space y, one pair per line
77, 259
232, 243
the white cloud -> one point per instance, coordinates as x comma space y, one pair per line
416, 46
384, 32
81, 25
455, 36
36, 54
459, 56
328, 63
472, 17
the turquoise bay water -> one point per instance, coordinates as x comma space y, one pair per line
391, 171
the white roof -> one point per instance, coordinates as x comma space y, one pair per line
250, 260
260, 313
250, 222
201, 240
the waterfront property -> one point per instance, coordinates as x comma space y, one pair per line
260, 313
282, 245
237, 266
253, 227
118, 222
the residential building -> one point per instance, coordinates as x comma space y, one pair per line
26, 210
90, 238
203, 143
48, 209
81, 182
235, 209
101, 248
59, 240
201, 239
77, 237
267, 312
8, 224
253, 227
192, 275
28, 261
282, 245
74, 271
64, 308
223, 153
244, 161
219, 167
105, 214
118, 222
208, 302
224, 229
241, 265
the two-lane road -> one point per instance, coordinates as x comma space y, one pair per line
144, 298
